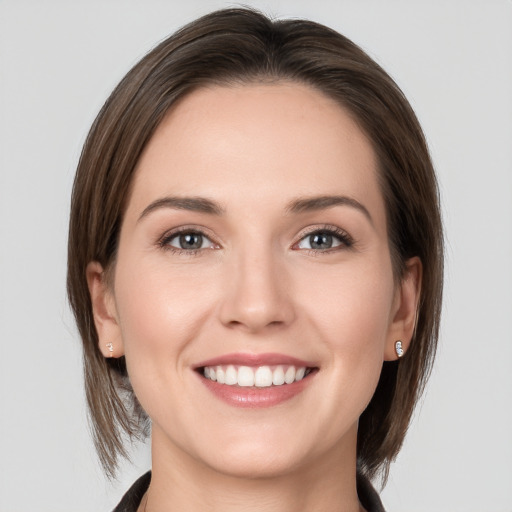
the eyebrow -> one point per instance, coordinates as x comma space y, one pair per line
315, 203
194, 204
300, 205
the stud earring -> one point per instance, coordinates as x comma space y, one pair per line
110, 347
398, 349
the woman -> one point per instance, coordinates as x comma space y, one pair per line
255, 266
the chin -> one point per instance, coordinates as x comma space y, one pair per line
262, 452
252, 464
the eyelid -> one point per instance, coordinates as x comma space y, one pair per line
347, 241
343, 236
163, 241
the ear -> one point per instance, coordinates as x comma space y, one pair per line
110, 341
405, 309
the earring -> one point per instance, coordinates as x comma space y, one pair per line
398, 349
110, 347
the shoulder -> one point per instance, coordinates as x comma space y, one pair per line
131, 500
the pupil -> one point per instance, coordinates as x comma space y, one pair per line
191, 241
320, 241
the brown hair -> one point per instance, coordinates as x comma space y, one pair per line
240, 46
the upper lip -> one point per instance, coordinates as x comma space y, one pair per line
246, 359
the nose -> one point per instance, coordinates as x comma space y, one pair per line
257, 293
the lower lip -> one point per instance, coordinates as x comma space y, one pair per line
254, 397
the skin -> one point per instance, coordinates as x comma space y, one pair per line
255, 286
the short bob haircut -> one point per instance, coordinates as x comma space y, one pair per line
235, 47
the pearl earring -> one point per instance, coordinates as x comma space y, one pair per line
398, 349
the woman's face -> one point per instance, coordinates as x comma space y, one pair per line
254, 251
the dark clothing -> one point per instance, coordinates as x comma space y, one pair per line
131, 500
368, 495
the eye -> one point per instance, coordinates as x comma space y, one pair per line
324, 240
189, 241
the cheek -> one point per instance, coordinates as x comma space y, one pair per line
352, 304
353, 315
159, 311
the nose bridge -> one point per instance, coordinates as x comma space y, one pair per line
256, 288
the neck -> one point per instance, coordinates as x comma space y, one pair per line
180, 482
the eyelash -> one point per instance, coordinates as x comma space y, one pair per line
164, 242
346, 241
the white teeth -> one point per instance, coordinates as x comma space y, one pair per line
278, 376
261, 377
289, 376
245, 376
220, 375
231, 376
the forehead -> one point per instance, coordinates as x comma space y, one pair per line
267, 140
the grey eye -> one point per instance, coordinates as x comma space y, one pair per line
190, 241
320, 240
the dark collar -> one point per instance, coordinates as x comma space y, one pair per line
368, 496
131, 500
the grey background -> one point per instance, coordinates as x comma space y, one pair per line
58, 62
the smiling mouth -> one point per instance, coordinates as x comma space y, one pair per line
256, 377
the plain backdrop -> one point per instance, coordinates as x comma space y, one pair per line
58, 62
